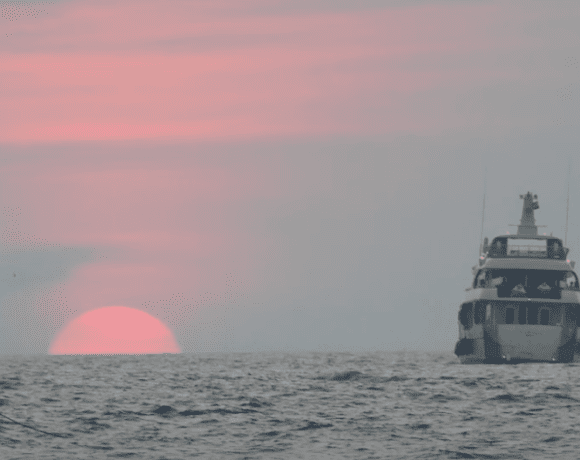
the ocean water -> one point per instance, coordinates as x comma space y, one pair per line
286, 406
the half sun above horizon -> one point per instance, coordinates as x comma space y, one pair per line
114, 330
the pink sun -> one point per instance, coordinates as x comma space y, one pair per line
114, 330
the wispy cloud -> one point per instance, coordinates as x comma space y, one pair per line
108, 70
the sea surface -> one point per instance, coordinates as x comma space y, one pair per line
381, 405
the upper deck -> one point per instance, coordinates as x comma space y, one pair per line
527, 244
542, 247
526, 254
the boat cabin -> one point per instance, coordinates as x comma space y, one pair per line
533, 283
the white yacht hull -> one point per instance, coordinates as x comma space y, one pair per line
513, 343
529, 342
524, 301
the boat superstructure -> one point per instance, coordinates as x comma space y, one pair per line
524, 301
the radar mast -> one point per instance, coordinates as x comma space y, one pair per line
528, 222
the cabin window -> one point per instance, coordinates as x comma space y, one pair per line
479, 313
466, 315
526, 247
509, 315
527, 314
556, 250
546, 284
544, 316
498, 247
569, 281
533, 313
480, 279
521, 315
570, 316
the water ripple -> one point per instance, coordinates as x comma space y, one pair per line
285, 406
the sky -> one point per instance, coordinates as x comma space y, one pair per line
270, 174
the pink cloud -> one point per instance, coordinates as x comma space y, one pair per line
182, 215
311, 74
163, 223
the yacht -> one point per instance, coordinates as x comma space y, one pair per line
524, 302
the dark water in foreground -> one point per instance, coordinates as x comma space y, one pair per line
286, 406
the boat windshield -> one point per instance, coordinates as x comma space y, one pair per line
527, 283
527, 247
506, 246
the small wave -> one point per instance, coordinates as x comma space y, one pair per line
563, 396
164, 410
7, 385
395, 378
230, 411
542, 398
311, 388
460, 454
507, 397
90, 425
100, 447
349, 375
414, 393
314, 426
255, 402
221, 411
420, 426
442, 398
125, 414
194, 413
356, 375
552, 439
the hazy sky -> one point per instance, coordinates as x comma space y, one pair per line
263, 174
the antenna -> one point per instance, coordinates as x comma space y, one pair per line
567, 206
482, 213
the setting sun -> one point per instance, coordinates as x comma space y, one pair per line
114, 330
